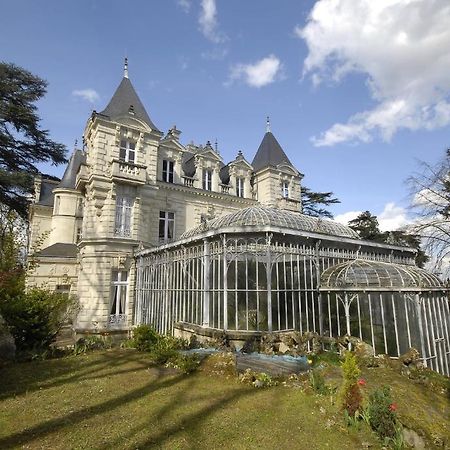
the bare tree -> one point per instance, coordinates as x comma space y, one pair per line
430, 202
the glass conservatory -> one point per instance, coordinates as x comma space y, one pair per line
263, 269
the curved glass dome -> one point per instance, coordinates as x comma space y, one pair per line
262, 216
376, 275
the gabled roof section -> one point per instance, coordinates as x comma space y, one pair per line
70, 175
269, 153
60, 250
125, 102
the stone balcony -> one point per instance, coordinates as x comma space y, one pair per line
128, 172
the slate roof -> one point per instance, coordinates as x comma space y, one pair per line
188, 164
124, 100
269, 153
60, 250
70, 174
46, 194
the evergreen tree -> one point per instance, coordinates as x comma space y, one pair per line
366, 225
313, 203
23, 144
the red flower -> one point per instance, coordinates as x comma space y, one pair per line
393, 407
362, 382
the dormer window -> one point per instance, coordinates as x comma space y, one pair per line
167, 171
240, 187
127, 151
207, 179
285, 189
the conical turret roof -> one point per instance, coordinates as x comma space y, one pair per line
269, 153
70, 174
125, 102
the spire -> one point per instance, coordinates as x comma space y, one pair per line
125, 102
267, 125
269, 153
125, 68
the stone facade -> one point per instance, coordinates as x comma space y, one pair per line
129, 188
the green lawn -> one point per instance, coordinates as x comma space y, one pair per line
118, 400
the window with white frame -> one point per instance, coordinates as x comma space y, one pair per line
166, 226
119, 282
167, 171
127, 151
207, 179
240, 187
124, 210
285, 189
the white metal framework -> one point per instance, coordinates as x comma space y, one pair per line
263, 269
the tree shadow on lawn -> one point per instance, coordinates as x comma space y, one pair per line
192, 422
73, 418
32, 376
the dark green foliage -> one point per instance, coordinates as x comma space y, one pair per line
144, 338
317, 382
166, 349
366, 225
187, 363
381, 413
35, 317
23, 144
313, 203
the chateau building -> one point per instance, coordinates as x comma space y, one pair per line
133, 187
144, 229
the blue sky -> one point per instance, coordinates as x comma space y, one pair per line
357, 92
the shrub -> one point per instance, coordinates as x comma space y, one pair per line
187, 363
381, 411
35, 317
317, 382
90, 343
351, 398
144, 338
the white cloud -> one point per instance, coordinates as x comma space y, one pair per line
259, 74
87, 94
185, 5
401, 46
208, 22
391, 218
346, 217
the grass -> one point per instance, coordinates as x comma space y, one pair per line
118, 399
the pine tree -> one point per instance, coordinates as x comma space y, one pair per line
23, 144
313, 203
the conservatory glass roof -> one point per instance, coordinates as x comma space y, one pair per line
376, 275
261, 216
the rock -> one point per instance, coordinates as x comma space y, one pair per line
363, 350
411, 358
412, 439
283, 348
258, 383
7, 344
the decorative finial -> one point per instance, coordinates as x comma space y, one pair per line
215, 145
125, 68
76, 144
267, 125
